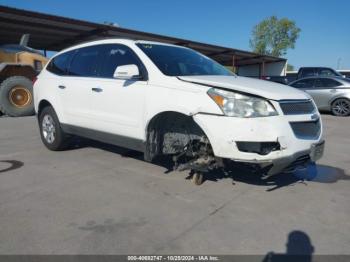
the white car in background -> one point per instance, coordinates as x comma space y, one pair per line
168, 100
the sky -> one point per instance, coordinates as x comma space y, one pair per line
325, 25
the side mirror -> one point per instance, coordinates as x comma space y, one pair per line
127, 72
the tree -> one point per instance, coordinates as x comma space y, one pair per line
274, 36
290, 67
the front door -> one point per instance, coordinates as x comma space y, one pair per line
118, 105
306, 85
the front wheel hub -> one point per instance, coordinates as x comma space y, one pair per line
20, 96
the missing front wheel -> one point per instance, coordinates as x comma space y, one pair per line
198, 157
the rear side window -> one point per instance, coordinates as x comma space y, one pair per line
59, 64
305, 83
85, 61
326, 83
115, 55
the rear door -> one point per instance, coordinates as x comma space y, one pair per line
118, 105
56, 82
76, 90
324, 89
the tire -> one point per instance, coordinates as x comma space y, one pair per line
16, 96
341, 107
51, 132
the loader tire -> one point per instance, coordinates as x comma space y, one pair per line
16, 96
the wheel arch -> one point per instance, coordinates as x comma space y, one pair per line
42, 104
164, 122
164, 114
340, 96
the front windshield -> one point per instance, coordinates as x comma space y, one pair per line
179, 61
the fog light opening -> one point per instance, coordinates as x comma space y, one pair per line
261, 148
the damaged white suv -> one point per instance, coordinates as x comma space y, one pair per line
168, 100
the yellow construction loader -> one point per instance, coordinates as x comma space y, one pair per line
19, 65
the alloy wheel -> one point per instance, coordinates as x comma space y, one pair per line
341, 107
48, 129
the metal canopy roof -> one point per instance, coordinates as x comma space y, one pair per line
49, 32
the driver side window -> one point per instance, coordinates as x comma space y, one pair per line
305, 83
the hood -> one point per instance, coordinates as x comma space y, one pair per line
263, 88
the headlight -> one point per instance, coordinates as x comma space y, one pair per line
238, 105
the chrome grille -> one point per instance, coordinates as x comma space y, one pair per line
297, 107
306, 130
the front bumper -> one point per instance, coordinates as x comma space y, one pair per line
223, 132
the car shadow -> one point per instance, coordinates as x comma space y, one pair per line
313, 173
325, 112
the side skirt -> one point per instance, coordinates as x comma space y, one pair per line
117, 140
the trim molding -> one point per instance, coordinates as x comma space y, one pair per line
117, 140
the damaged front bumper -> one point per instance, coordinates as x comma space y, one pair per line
278, 142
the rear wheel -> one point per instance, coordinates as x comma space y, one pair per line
51, 132
341, 107
16, 96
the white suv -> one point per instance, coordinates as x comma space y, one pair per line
168, 100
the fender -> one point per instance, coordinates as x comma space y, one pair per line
54, 106
341, 94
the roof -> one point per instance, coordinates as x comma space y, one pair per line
338, 78
50, 32
109, 40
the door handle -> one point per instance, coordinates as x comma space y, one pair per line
97, 89
333, 90
61, 87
